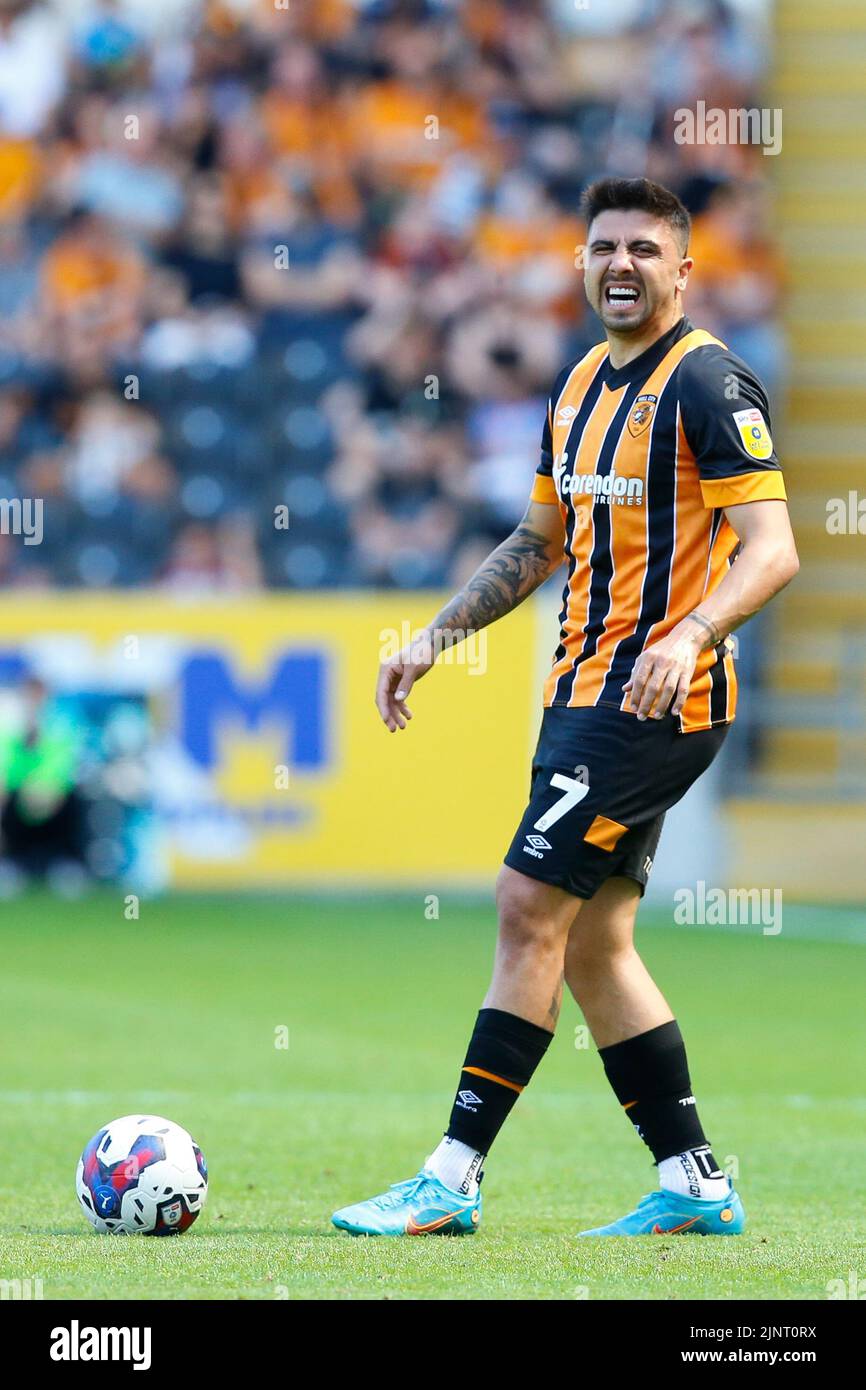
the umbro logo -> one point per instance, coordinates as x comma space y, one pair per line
468, 1100
536, 845
567, 413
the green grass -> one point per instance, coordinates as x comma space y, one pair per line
177, 1013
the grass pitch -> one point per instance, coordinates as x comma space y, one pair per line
184, 1011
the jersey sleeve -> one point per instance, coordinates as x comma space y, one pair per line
726, 421
543, 487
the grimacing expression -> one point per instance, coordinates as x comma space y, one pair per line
632, 269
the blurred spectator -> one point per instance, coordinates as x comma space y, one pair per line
114, 448
739, 270
108, 41
206, 558
41, 819
33, 57
92, 282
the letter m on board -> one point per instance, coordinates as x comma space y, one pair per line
292, 697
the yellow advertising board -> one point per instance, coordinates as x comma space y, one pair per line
270, 765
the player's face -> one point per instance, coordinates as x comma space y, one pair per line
633, 270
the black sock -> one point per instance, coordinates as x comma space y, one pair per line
650, 1078
503, 1052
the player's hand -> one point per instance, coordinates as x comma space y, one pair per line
662, 674
396, 678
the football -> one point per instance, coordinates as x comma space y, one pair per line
141, 1175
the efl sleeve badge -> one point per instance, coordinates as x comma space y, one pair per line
754, 433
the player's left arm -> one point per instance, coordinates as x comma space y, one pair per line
766, 561
725, 420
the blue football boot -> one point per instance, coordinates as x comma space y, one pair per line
668, 1214
423, 1206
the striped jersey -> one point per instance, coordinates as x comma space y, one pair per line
641, 461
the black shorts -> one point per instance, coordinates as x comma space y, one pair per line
601, 783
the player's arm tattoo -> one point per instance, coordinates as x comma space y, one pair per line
708, 626
510, 574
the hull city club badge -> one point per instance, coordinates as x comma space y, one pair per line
641, 414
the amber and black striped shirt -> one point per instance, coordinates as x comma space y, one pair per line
641, 460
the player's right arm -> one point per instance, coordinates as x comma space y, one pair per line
511, 572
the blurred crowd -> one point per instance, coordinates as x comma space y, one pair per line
284, 286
